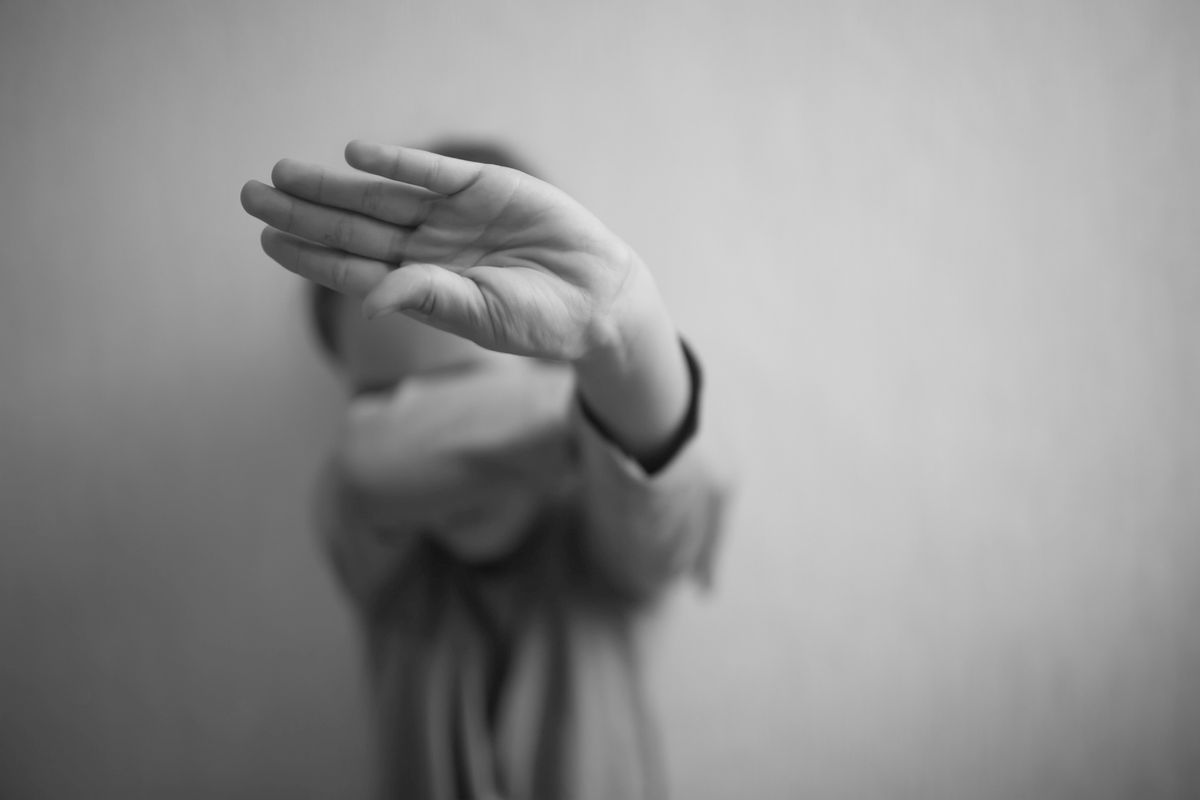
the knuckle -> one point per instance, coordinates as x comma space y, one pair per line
300, 261
423, 210
371, 200
432, 172
428, 304
289, 217
342, 233
339, 274
397, 244
319, 192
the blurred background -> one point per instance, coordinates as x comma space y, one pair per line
941, 262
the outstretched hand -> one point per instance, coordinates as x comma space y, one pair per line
495, 256
485, 252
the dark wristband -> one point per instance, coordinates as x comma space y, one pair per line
683, 434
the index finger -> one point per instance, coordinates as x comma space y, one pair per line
438, 173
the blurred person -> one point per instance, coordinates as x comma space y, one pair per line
522, 472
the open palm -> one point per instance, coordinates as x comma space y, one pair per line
482, 251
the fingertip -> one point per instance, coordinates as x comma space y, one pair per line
379, 301
354, 150
372, 311
274, 242
247, 194
283, 168
388, 295
267, 239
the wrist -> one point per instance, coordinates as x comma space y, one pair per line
635, 316
636, 381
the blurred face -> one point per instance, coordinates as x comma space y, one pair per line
375, 355
489, 516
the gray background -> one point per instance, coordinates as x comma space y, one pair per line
940, 259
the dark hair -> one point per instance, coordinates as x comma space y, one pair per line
322, 301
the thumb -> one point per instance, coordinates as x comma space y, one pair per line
431, 294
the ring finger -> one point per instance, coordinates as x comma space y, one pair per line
339, 271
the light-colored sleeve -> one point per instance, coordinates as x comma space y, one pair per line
364, 560
645, 530
457, 459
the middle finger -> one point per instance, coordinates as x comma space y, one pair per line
390, 201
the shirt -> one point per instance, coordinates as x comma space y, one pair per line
518, 676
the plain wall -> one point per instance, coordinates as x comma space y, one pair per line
940, 260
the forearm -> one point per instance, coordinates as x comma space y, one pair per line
637, 384
647, 527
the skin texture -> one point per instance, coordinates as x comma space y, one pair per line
491, 255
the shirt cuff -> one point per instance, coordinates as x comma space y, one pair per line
683, 435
